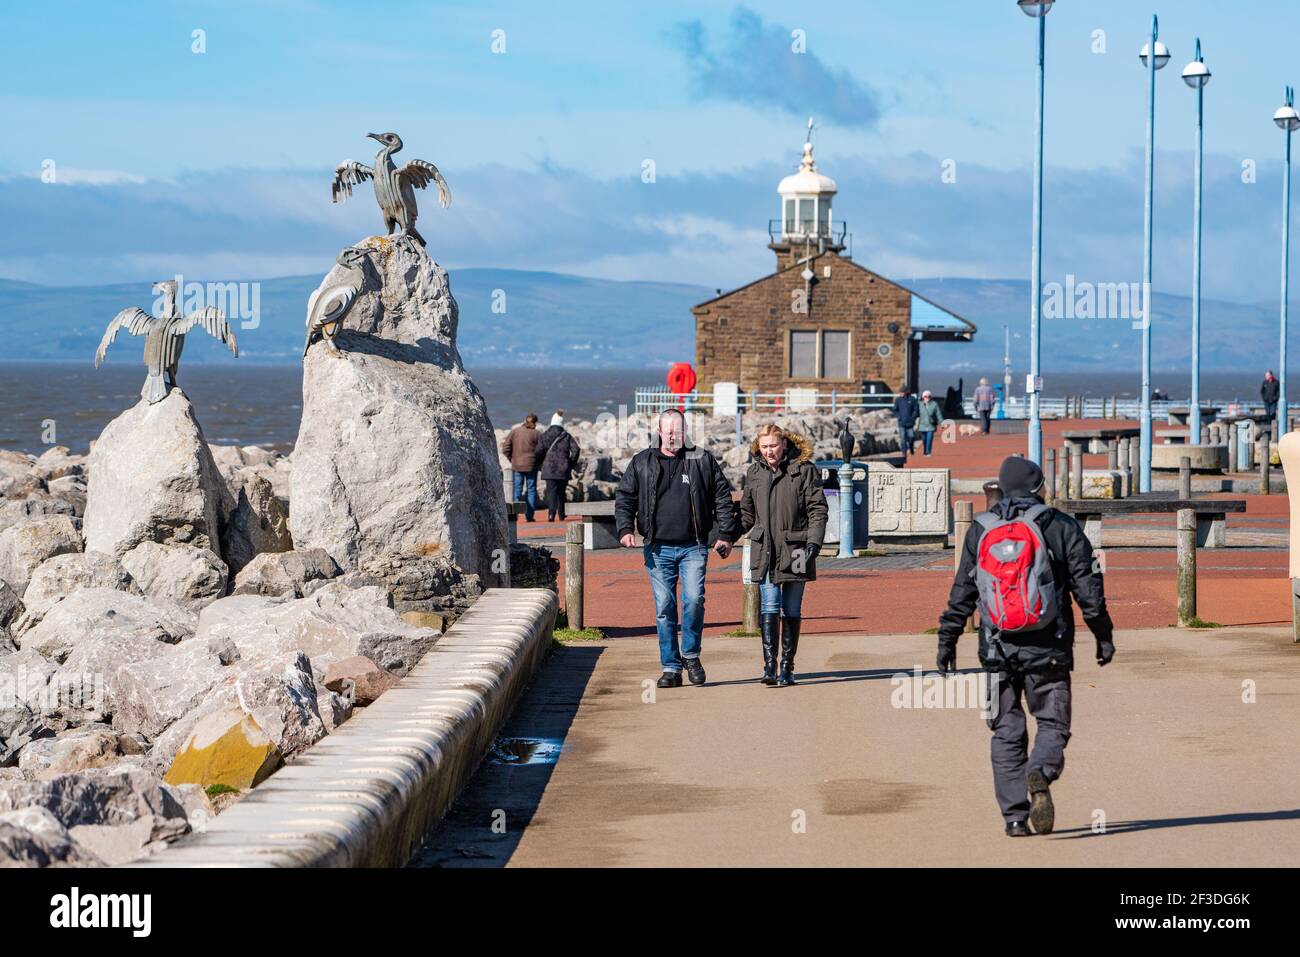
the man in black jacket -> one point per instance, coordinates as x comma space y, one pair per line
907, 409
1269, 391
677, 497
1035, 664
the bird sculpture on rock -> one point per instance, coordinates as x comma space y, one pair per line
165, 337
394, 188
329, 304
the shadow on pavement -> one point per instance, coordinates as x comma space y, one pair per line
488, 820
1128, 827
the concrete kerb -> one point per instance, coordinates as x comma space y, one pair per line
368, 794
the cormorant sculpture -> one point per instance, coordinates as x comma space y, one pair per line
165, 337
394, 188
329, 304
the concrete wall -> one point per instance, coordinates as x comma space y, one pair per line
368, 794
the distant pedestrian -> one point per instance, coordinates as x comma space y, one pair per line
784, 511
1020, 563
1270, 391
520, 447
678, 498
985, 398
558, 452
929, 415
906, 409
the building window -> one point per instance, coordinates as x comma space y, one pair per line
803, 354
789, 226
820, 354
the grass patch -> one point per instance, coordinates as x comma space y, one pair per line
870, 553
1200, 623
931, 631
740, 633
212, 790
573, 634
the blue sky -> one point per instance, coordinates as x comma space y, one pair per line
218, 164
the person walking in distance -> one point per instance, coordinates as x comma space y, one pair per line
520, 447
984, 401
1269, 391
928, 417
784, 512
906, 409
1021, 563
678, 498
558, 451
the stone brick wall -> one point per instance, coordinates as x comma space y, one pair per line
744, 336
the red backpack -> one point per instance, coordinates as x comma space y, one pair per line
1013, 571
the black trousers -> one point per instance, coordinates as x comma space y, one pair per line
1048, 697
984, 416
555, 499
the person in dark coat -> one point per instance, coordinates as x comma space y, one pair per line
907, 409
558, 451
784, 512
1035, 665
677, 496
520, 447
1270, 391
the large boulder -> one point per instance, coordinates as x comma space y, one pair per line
148, 697
191, 577
18, 511
285, 573
253, 521
152, 479
228, 747
77, 749
33, 837
333, 623
58, 577
395, 459
105, 627
23, 547
11, 610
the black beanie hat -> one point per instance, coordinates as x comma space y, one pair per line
1019, 475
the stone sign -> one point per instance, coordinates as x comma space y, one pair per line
908, 504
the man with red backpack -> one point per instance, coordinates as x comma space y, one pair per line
1020, 564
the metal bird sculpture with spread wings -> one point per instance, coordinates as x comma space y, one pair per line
329, 304
394, 188
165, 337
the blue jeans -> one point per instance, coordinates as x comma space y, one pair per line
666, 564
927, 440
529, 492
905, 439
786, 598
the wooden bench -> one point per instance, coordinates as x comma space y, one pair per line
1211, 514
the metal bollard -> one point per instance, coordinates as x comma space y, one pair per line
1265, 460
1186, 566
573, 559
846, 510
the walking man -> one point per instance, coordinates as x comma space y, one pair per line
1021, 562
984, 400
520, 447
1269, 391
906, 408
677, 497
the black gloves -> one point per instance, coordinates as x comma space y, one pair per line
811, 550
1105, 652
947, 657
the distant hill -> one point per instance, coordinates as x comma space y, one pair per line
552, 319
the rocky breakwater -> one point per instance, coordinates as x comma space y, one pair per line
395, 474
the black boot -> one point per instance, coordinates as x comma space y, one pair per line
770, 629
789, 645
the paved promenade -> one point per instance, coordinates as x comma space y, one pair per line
1184, 772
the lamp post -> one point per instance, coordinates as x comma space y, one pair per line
1196, 75
1287, 120
1037, 9
1159, 56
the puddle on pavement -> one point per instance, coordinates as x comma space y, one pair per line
525, 750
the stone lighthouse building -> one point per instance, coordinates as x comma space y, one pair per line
819, 321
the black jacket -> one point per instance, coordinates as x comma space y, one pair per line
558, 451
1075, 573
784, 511
908, 409
711, 505
1269, 390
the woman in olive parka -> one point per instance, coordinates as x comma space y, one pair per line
784, 513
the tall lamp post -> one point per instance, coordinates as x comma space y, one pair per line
1159, 56
1196, 75
1037, 9
1288, 120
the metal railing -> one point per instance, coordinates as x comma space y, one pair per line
836, 233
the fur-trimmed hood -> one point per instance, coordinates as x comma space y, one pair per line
798, 448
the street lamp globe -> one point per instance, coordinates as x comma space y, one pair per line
1162, 54
1035, 8
1196, 74
1286, 118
